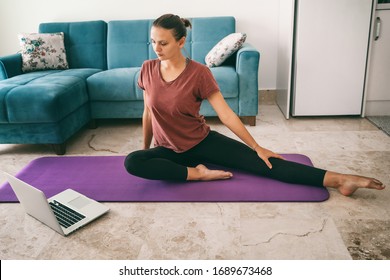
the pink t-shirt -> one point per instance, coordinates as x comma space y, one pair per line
175, 105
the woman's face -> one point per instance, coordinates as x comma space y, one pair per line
165, 44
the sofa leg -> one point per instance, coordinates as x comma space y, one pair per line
251, 120
92, 124
59, 149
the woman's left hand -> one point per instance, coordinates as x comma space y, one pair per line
266, 154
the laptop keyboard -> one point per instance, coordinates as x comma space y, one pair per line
65, 216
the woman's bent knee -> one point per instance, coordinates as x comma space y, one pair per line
132, 162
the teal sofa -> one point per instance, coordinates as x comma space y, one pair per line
49, 106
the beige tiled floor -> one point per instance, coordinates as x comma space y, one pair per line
341, 228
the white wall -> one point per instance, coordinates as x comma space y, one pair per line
257, 18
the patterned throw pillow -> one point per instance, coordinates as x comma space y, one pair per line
225, 48
43, 51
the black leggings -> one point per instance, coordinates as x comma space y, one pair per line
160, 163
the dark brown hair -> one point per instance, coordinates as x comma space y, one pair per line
175, 23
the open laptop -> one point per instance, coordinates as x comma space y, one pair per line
64, 212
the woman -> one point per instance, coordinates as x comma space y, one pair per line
174, 87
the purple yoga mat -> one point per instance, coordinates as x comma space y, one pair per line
104, 178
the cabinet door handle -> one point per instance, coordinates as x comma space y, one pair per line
377, 28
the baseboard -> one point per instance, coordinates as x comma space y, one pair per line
267, 97
377, 108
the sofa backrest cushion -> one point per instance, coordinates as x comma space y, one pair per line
128, 41
207, 32
85, 42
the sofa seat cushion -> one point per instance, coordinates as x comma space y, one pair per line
121, 84
118, 84
27, 78
227, 80
82, 73
44, 98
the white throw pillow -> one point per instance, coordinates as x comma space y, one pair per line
224, 48
42, 51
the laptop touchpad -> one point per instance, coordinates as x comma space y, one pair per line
80, 202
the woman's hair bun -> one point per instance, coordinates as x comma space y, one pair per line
186, 22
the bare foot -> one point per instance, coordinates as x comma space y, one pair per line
348, 184
202, 173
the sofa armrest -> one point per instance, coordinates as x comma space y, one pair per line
10, 66
247, 67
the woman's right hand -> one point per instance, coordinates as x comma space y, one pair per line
266, 154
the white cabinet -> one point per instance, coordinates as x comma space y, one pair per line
378, 82
328, 56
